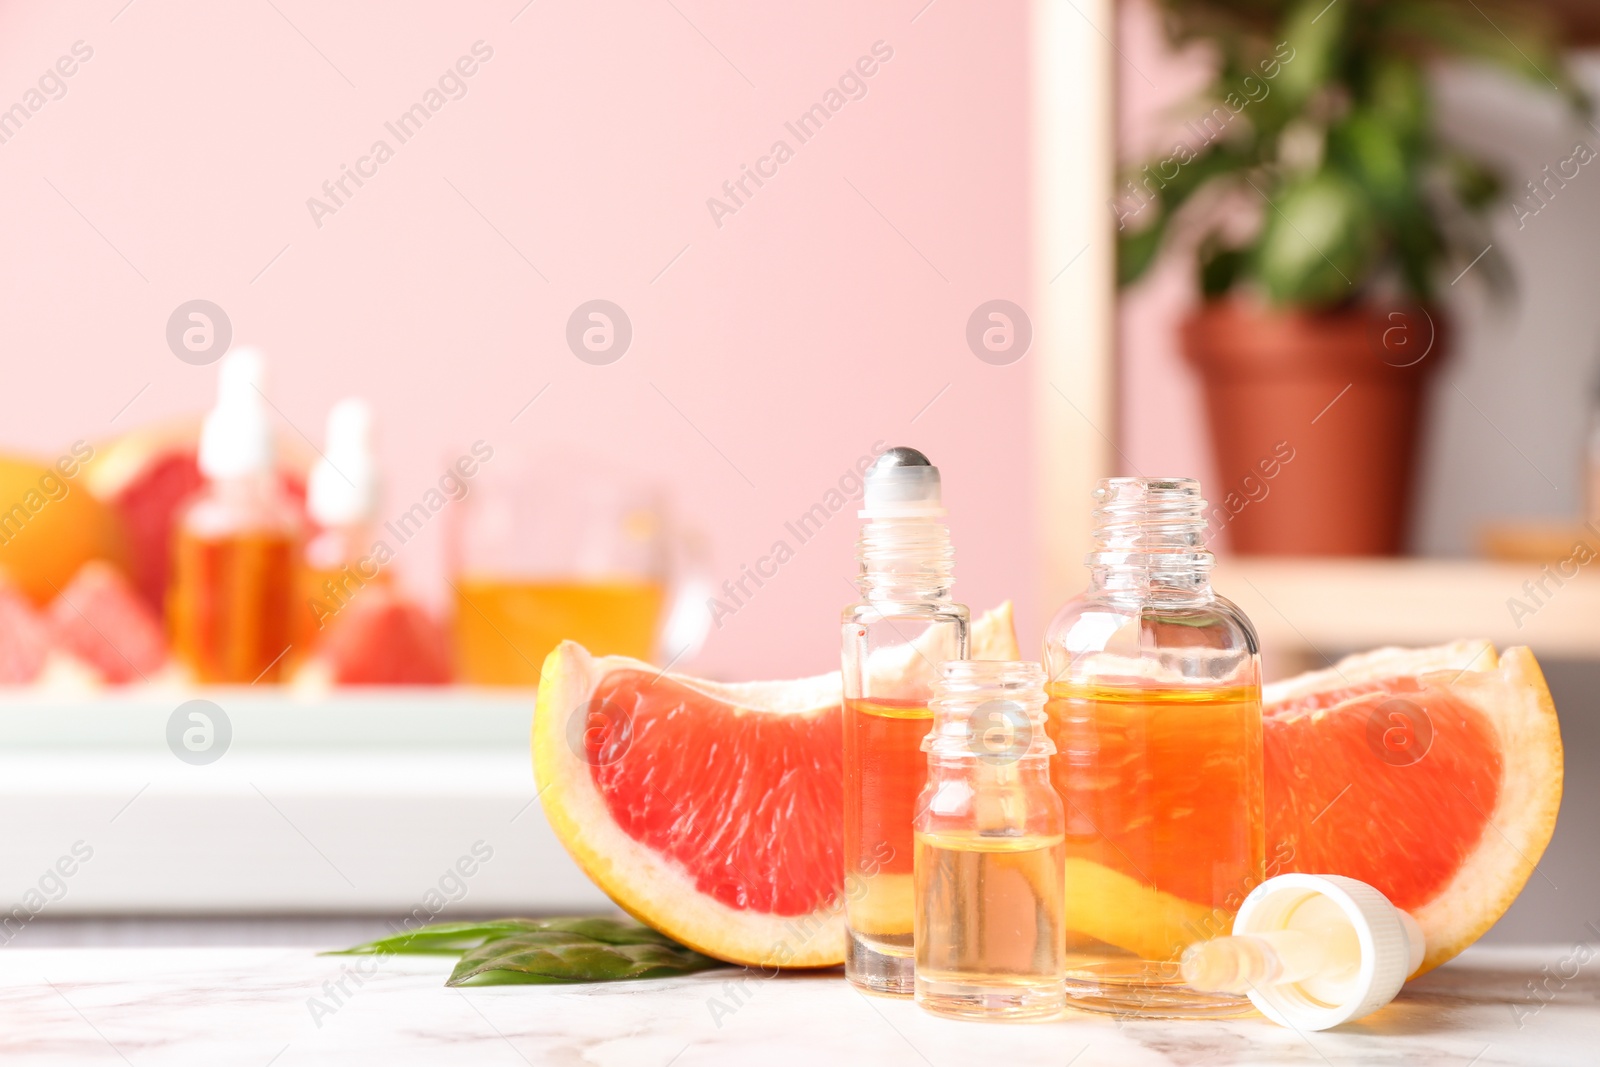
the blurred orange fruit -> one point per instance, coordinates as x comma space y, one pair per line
51, 524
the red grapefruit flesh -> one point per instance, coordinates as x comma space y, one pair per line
24, 639
100, 619
1433, 774
381, 638
713, 812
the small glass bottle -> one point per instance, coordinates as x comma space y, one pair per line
341, 501
235, 562
990, 850
1155, 711
895, 641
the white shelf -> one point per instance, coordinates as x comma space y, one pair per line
1336, 605
344, 803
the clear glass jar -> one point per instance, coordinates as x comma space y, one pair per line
990, 850
1155, 711
894, 643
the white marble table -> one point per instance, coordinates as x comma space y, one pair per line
250, 1007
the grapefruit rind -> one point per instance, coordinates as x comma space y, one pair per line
994, 635
1516, 700
1508, 690
652, 888
1380, 664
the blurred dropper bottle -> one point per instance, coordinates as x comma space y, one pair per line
342, 503
232, 597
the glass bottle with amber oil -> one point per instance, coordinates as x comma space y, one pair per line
232, 602
1155, 711
342, 504
990, 850
895, 641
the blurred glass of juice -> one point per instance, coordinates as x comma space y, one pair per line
505, 627
547, 549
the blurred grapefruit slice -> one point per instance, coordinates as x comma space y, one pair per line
24, 638
147, 475
711, 811
381, 638
1433, 774
100, 619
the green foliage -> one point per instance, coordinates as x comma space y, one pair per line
520, 951
557, 957
1320, 119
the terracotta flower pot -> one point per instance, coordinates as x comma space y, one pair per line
1314, 423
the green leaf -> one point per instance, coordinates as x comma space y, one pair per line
1397, 96
1319, 240
1137, 251
1369, 150
1220, 269
1507, 39
1475, 184
1315, 30
1164, 192
555, 956
452, 939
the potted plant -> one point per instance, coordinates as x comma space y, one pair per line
1326, 215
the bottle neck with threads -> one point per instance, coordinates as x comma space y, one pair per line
989, 755
905, 560
990, 712
1150, 540
904, 551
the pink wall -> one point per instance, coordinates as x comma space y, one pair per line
789, 339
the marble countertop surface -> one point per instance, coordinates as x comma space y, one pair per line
257, 1007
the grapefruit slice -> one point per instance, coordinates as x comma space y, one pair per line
713, 812
24, 638
1433, 774
100, 619
381, 638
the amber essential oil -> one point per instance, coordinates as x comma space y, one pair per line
1165, 833
884, 773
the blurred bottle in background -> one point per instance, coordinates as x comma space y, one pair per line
231, 604
546, 553
342, 503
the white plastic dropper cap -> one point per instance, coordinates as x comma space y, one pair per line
236, 440
1391, 948
902, 484
343, 489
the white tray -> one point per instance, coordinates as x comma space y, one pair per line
368, 801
